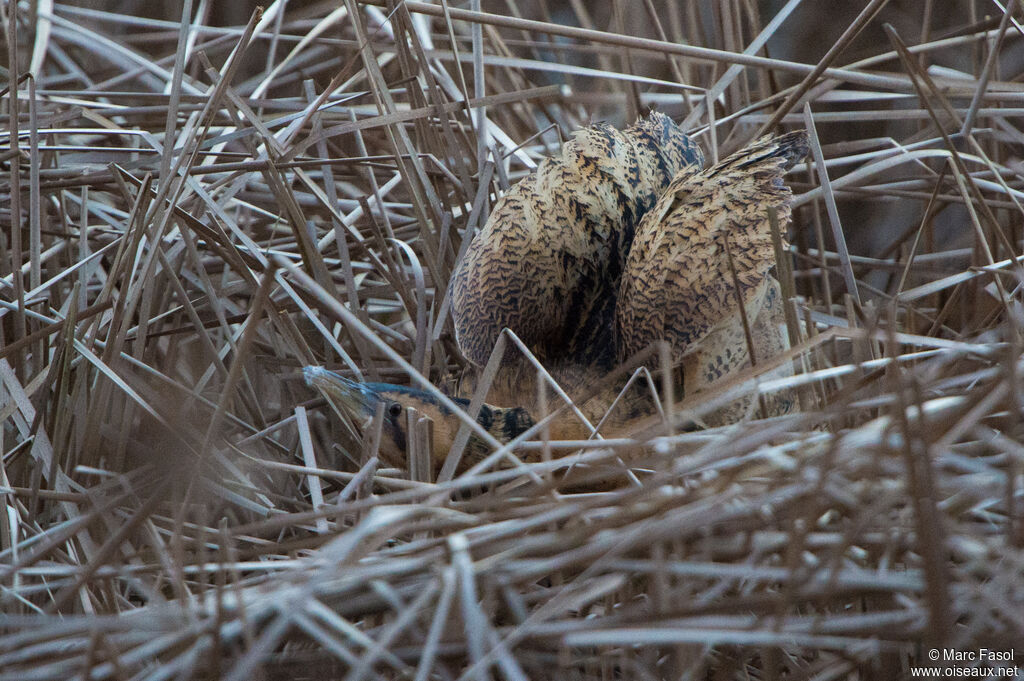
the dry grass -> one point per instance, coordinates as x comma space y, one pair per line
201, 214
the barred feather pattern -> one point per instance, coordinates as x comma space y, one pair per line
724, 352
678, 285
549, 261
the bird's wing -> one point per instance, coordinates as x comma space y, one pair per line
548, 261
724, 351
677, 285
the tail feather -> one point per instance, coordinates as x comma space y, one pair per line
791, 148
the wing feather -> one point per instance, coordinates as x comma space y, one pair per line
677, 285
548, 261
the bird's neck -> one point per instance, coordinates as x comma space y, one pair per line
513, 404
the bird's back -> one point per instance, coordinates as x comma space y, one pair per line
620, 241
678, 285
548, 262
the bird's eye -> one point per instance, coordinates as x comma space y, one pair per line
394, 410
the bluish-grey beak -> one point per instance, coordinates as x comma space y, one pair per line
358, 399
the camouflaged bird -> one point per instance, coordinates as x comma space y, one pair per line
548, 262
611, 245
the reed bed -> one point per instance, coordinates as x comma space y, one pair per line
197, 206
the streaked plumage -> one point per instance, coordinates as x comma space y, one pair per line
678, 285
549, 260
612, 245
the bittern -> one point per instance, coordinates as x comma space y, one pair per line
622, 239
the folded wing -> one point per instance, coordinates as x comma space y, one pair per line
678, 286
548, 262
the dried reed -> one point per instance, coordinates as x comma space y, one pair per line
195, 208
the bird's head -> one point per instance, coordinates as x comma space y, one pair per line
360, 402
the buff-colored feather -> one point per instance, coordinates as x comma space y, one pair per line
548, 262
678, 285
617, 242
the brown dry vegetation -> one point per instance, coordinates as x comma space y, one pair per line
194, 209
